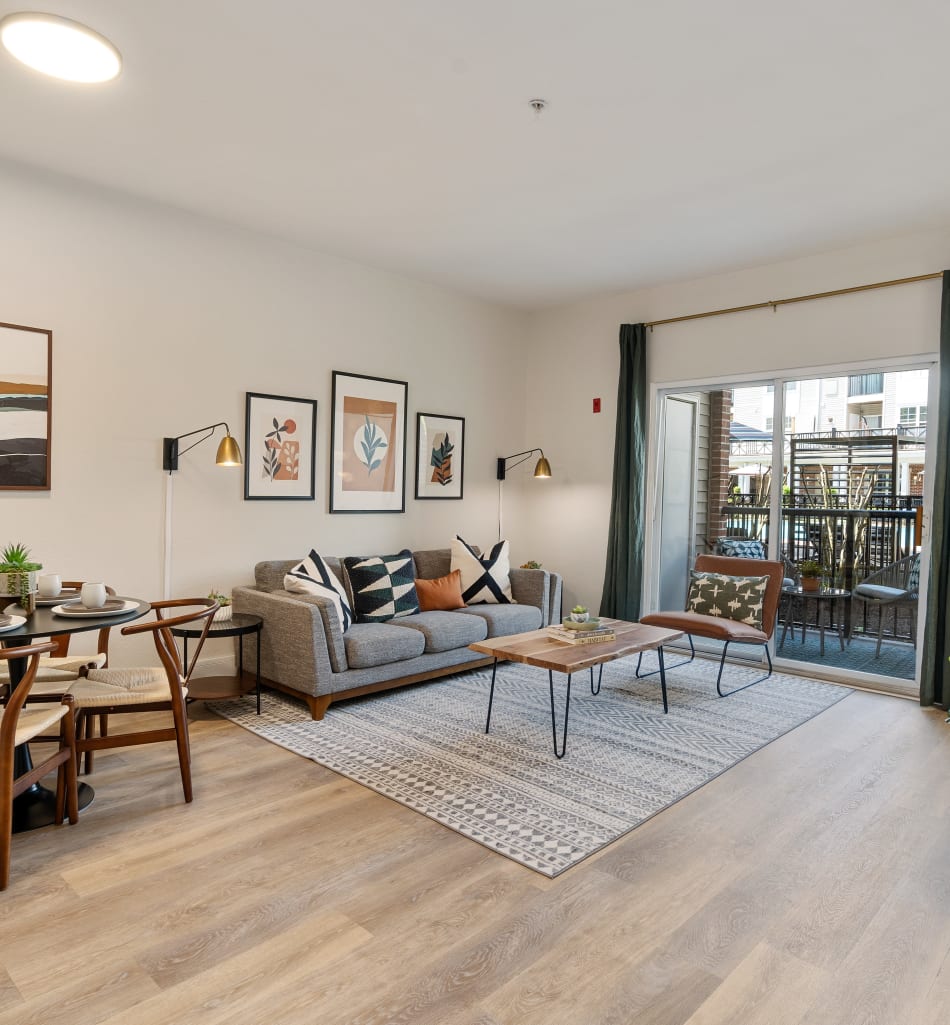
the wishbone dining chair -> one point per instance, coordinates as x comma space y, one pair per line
21, 725
110, 691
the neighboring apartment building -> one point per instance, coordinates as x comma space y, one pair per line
874, 404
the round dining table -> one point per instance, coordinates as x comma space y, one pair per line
36, 806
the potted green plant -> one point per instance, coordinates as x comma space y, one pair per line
225, 611
19, 576
580, 614
531, 564
810, 573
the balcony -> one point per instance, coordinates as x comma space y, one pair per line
851, 544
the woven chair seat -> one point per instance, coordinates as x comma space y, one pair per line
104, 687
55, 669
37, 720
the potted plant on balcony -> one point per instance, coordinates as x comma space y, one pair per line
810, 573
18, 576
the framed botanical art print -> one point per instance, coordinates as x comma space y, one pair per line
26, 394
368, 444
440, 451
280, 436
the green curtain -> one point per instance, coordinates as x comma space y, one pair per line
935, 670
624, 574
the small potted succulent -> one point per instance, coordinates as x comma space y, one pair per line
531, 564
580, 614
224, 612
18, 579
810, 573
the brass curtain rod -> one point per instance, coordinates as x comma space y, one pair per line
775, 303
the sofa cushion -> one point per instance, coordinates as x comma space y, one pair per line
383, 586
269, 575
376, 644
739, 548
444, 631
727, 597
441, 595
503, 620
314, 576
878, 592
432, 562
484, 579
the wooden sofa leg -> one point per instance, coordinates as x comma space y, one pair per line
318, 706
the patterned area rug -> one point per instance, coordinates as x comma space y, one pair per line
425, 747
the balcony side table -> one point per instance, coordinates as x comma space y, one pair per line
215, 688
825, 599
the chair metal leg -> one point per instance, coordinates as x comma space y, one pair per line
491, 694
745, 686
685, 662
567, 708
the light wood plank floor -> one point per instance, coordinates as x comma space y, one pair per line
809, 885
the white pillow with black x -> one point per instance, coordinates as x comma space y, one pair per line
485, 580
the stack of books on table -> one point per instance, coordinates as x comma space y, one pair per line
596, 635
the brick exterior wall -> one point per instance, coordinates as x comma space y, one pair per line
720, 416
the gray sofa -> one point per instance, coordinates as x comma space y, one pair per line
305, 653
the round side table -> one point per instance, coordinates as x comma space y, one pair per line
214, 688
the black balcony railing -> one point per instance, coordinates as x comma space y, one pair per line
849, 543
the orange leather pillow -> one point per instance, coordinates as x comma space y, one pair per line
442, 594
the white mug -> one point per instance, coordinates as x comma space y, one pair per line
50, 584
93, 595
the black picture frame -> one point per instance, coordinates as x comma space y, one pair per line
26, 372
368, 425
269, 448
434, 480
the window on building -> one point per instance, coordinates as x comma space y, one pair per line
912, 416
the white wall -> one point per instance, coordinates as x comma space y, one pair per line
574, 357
162, 321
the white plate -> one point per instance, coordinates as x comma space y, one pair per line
75, 611
13, 624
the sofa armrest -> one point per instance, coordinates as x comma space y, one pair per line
540, 588
294, 648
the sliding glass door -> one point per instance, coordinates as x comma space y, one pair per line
828, 474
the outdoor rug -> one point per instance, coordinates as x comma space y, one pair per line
425, 746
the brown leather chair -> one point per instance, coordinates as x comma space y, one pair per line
718, 628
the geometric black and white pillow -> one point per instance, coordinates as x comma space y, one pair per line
485, 580
384, 586
314, 576
737, 598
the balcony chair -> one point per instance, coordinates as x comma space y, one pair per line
19, 725
107, 691
895, 586
719, 627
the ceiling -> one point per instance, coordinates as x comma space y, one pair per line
680, 139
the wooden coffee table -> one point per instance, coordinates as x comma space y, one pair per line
538, 648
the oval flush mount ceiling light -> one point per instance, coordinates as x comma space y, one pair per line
60, 47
